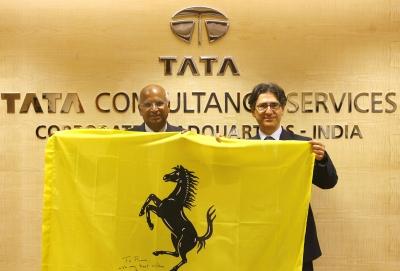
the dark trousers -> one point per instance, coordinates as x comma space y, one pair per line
308, 266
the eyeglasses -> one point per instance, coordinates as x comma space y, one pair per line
262, 107
148, 105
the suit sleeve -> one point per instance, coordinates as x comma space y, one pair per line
324, 175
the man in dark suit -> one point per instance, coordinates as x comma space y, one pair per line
267, 103
154, 108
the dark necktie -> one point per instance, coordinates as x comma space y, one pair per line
269, 138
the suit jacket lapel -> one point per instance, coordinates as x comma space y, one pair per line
285, 135
141, 128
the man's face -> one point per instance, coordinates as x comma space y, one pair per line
154, 108
268, 113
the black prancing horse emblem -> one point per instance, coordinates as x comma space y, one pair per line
183, 234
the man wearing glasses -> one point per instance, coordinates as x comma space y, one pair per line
154, 108
267, 103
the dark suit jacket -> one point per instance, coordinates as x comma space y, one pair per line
170, 128
325, 177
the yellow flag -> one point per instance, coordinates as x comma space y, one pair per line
133, 201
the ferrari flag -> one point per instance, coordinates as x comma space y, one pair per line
133, 201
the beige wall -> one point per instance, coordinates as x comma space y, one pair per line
90, 47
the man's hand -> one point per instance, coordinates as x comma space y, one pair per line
218, 137
319, 149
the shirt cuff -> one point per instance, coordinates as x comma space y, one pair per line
322, 163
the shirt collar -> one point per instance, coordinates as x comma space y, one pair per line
276, 135
148, 129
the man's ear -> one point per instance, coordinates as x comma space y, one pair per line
140, 111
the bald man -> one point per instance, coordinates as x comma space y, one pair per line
154, 108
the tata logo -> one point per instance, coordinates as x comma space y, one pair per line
184, 22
